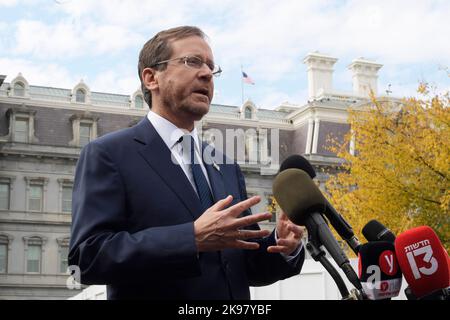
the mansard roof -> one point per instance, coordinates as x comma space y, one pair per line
122, 100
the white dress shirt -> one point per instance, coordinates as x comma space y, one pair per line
171, 135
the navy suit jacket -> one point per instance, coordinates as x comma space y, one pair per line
132, 225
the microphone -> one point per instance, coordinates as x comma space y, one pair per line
338, 222
378, 270
303, 203
424, 263
296, 161
376, 231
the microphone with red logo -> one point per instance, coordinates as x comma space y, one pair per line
378, 269
424, 263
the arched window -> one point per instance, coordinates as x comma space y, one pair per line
139, 102
19, 89
248, 113
80, 96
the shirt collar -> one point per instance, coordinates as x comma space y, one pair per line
169, 132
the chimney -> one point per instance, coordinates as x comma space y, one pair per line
320, 73
365, 77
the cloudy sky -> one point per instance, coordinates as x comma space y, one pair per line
58, 42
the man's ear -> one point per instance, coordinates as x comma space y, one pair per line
150, 79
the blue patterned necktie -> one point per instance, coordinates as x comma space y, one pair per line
204, 193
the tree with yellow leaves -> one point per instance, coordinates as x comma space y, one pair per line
398, 169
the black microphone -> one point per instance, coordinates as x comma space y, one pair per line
376, 231
303, 203
378, 270
338, 222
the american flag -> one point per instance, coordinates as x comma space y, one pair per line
247, 79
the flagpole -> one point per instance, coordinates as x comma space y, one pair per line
242, 85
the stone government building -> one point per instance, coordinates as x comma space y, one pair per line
42, 130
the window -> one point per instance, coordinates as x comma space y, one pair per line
34, 254
35, 198
66, 199
4, 196
19, 89
80, 96
85, 134
35, 193
84, 129
21, 124
5, 240
21, 130
139, 102
3, 257
63, 252
3, 254
63, 259
34, 247
248, 113
251, 146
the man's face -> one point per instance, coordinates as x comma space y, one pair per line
187, 92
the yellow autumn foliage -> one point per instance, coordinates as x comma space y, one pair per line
399, 173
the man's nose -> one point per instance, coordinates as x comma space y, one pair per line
205, 72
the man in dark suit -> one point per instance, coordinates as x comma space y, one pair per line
152, 217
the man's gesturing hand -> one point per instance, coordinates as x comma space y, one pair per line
289, 236
219, 227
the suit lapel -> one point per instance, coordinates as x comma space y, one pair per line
159, 157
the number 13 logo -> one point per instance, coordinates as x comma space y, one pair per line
427, 253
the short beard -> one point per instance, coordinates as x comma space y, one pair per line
197, 113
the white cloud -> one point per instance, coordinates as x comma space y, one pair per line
274, 98
47, 41
115, 82
103, 39
54, 75
270, 38
12, 3
68, 39
43, 74
263, 30
400, 31
131, 13
8, 3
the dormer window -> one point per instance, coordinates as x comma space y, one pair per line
19, 89
248, 113
84, 128
21, 131
81, 93
139, 102
80, 96
21, 125
85, 133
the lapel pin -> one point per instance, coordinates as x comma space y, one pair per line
216, 166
